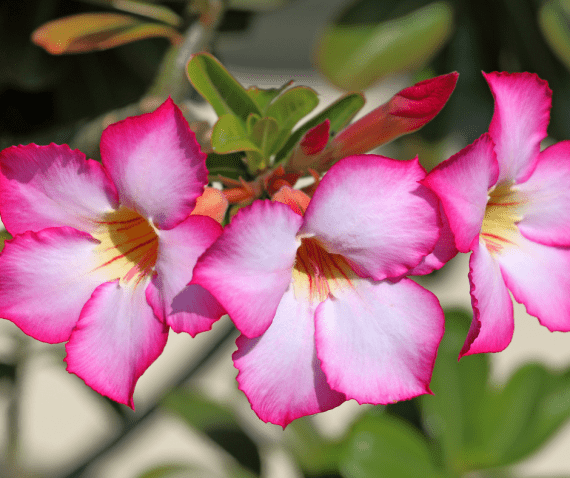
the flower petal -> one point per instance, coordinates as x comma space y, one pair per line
52, 186
156, 164
45, 280
520, 119
194, 310
116, 339
279, 371
546, 209
493, 322
462, 183
249, 267
178, 251
537, 275
378, 341
371, 210
297, 200
444, 251
211, 203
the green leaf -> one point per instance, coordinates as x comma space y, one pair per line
229, 135
383, 446
97, 31
293, 105
550, 412
250, 123
229, 165
263, 97
314, 454
289, 108
504, 417
219, 88
353, 57
554, 21
264, 134
450, 415
339, 113
173, 471
219, 424
156, 12
198, 411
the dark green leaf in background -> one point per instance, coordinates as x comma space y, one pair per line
174, 471
228, 165
450, 414
383, 446
554, 22
354, 57
219, 424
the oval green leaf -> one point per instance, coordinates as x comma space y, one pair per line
353, 57
264, 135
293, 105
263, 97
219, 88
380, 446
97, 31
554, 21
229, 135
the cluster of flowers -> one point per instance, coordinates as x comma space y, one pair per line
107, 257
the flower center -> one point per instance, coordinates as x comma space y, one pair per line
128, 245
499, 228
317, 273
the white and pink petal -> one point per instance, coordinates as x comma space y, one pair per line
537, 275
444, 251
371, 210
377, 341
520, 119
462, 183
116, 339
156, 164
493, 322
279, 371
52, 186
178, 251
45, 280
249, 267
545, 198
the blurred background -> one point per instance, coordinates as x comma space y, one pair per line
504, 415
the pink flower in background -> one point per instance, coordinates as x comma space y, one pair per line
509, 203
309, 289
99, 251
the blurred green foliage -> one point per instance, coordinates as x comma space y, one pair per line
469, 425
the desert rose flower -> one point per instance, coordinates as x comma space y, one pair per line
308, 285
100, 251
509, 203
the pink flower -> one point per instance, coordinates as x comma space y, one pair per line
509, 203
321, 322
99, 251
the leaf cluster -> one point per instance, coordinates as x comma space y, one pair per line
257, 124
